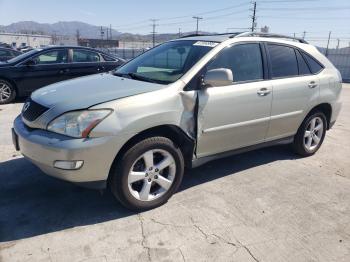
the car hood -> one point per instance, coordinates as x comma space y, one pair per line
84, 92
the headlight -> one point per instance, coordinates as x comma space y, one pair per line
78, 123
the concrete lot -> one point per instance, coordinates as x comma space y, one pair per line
267, 205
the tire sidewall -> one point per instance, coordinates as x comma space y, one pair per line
124, 166
13, 92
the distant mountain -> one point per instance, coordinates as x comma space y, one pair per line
59, 28
71, 28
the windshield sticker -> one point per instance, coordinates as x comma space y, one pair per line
206, 43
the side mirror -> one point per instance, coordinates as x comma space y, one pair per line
218, 77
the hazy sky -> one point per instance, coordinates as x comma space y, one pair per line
316, 17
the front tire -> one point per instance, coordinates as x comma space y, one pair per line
7, 92
147, 174
310, 135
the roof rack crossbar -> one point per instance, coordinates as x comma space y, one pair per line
247, 34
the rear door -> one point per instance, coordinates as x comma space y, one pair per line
238, 114
84, 62
43, 69
295, 89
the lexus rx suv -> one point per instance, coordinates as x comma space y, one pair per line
180, 104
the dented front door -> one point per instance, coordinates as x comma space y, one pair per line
232, 117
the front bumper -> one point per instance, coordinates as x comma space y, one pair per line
43, 148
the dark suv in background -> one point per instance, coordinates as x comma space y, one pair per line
25, 73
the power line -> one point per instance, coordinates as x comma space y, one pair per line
303, 18
130, 25
286, 1
319, 8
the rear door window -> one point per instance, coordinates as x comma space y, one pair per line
85, 56
283, 61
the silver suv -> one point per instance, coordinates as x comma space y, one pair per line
180, 104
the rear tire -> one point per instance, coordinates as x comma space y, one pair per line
7, 92
147, 174
310, 135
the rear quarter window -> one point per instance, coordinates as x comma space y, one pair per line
108, 58
314, 65
303, 67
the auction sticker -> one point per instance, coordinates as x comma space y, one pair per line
206, 43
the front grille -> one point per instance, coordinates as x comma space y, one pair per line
32, 110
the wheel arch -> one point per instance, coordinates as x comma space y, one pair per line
173, 132
325, 108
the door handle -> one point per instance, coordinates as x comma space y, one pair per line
312, 84
263, 92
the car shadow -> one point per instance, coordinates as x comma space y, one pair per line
32, 203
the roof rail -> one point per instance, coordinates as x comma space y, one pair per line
228, 34
190, 35
247, 34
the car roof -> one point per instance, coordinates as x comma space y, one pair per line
211, 38
67, 46
252, 35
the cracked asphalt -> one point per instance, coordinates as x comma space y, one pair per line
266, 205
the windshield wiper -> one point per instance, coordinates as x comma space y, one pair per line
120, 74
141, 78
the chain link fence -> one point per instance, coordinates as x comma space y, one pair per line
341, 60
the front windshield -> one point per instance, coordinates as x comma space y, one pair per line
23, 56
166, 63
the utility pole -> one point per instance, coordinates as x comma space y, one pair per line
102, 33
304, 34
107, 31
197, 18
338, 42
78, 36
154, 31
254, 17
329, 38
110, 31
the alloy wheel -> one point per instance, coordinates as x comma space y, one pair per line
313, 134
5, 92
151, 175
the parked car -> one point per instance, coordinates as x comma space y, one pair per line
40, 67
25, 49
181, 104
8, 53
5, 45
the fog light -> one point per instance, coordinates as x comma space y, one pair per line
68, 165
